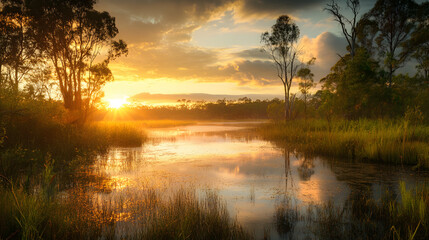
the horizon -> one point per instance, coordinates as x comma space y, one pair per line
215, 48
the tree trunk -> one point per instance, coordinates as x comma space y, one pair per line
305, 106
286, 102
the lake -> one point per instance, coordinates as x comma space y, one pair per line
252, 176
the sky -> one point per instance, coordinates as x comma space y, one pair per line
213, 46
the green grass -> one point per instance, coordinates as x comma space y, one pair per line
369, 140
183, 215
404, 216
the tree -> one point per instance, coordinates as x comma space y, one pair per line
280, 43
355, 85
393, 20
306, 82
6, 27
350, 33
72, 36
420, 40
19, 51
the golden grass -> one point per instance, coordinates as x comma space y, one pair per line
369, 140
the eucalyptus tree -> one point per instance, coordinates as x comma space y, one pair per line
17, 46
348, 25
281, 44
307, 82
74, 36
420, 40
394, 23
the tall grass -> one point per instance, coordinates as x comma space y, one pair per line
393, 217
80, 215
184, 216
395, 142
120, 134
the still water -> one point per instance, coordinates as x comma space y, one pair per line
251, 175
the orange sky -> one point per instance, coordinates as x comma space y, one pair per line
213, 46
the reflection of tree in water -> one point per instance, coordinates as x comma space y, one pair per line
286, 212
306, 168
288, 171
285, 217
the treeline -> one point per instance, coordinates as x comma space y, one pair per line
366, 82
244, 108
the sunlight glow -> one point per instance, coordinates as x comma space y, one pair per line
117, 102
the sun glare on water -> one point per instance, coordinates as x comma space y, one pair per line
117, 102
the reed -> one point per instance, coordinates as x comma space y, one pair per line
394, 142
79, 214
404, 216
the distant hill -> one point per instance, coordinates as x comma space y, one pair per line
172, 98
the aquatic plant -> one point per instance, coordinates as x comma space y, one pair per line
367, 140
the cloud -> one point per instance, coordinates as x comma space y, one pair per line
153, 21
175, 20
253, 53
325, 48
186, 62
275, 7
159, 35
182, 61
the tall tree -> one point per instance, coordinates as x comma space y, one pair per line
17, 43
281, 43
73, 35
306, 83
6, 27
420, 40
348, 25
394, 23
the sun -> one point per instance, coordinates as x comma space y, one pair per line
117, 102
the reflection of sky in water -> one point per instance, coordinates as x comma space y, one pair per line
250, 174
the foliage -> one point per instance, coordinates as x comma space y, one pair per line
68, 36
393, 26
280, 44
306, 82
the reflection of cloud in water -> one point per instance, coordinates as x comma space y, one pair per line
249, 173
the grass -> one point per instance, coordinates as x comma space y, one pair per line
401, 215
120, 134
404, 216
369, 140
183, 216
79, 215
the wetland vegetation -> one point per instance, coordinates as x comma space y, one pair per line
348, 160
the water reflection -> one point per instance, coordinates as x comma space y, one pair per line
257, 179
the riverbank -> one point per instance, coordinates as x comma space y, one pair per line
393, 142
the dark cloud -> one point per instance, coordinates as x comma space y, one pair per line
175, 20
258, 7
151, 21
